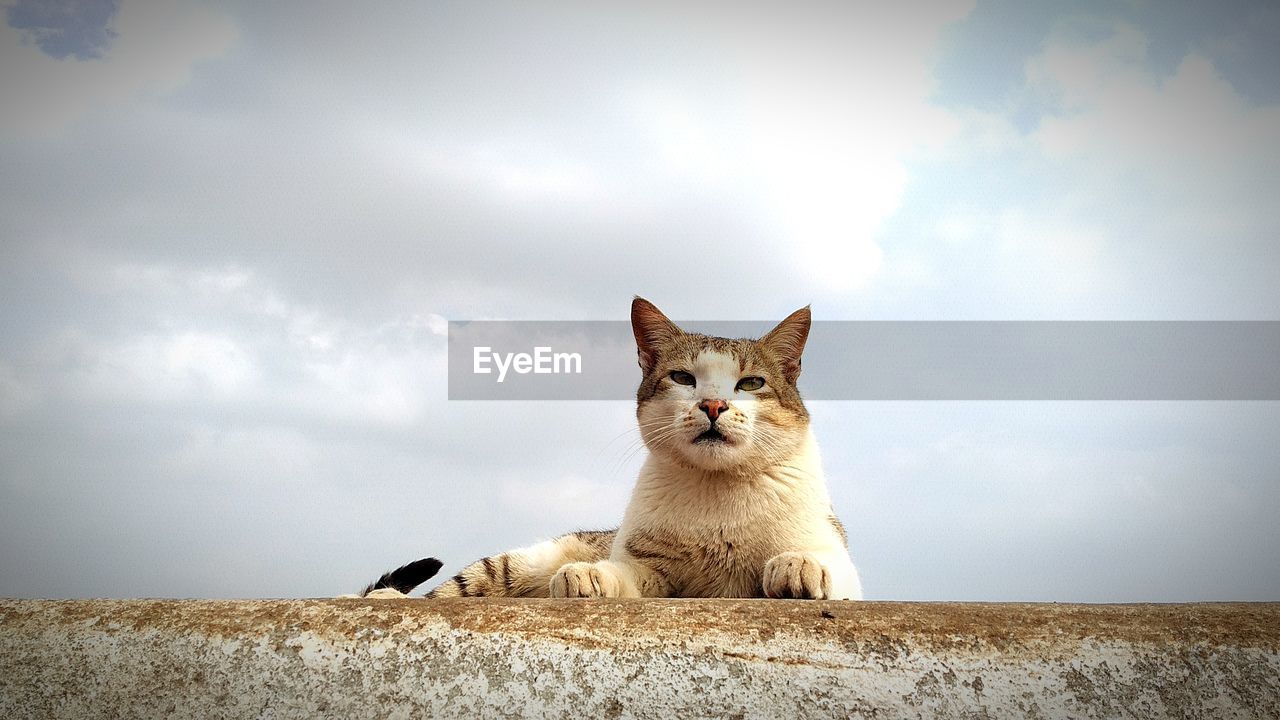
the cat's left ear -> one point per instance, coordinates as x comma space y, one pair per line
652, 329
787, 342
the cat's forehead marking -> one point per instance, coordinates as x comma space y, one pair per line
717, 368
716, 361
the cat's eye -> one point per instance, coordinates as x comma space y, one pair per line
751, 383
681, 377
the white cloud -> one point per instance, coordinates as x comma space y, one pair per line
818, 130
1188, 139
182, 366
1055, 501
579, 503
1138, 195
254, 274
367, 381
525, 175
227, 336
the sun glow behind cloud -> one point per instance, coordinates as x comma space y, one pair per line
816, 130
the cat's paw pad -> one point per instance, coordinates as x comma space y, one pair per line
585, 580
385, 594
796, 575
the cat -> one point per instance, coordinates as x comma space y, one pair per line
730, 501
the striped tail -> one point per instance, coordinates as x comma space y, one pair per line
526, 572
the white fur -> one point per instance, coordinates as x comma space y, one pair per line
758, 503
672, 420
782, 510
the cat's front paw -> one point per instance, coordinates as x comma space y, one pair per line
797, 575
585, 580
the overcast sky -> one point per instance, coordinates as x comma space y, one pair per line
231, 235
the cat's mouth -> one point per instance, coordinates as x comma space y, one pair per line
711, 436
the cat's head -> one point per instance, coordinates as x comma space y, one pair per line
715, 403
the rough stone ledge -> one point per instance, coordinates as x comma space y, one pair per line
635, 658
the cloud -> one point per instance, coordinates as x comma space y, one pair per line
1178, 166
1190, 136
211, 405
1077, 502
226, 337
145, 49
476, 165
231, 243
826, 167
1137, 193
577, 502
200, 365
80, 28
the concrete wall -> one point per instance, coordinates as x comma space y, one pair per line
645, 659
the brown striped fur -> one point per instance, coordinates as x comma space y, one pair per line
526, 572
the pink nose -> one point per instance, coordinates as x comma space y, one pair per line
713, 408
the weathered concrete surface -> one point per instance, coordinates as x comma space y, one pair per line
635, 658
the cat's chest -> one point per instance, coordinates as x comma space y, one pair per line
714, 540
722, 562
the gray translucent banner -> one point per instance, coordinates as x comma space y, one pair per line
1061, 360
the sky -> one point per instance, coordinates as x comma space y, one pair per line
232, 236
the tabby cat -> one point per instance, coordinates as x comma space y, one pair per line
730, 502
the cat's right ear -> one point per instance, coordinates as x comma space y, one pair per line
788, 339
651, 329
